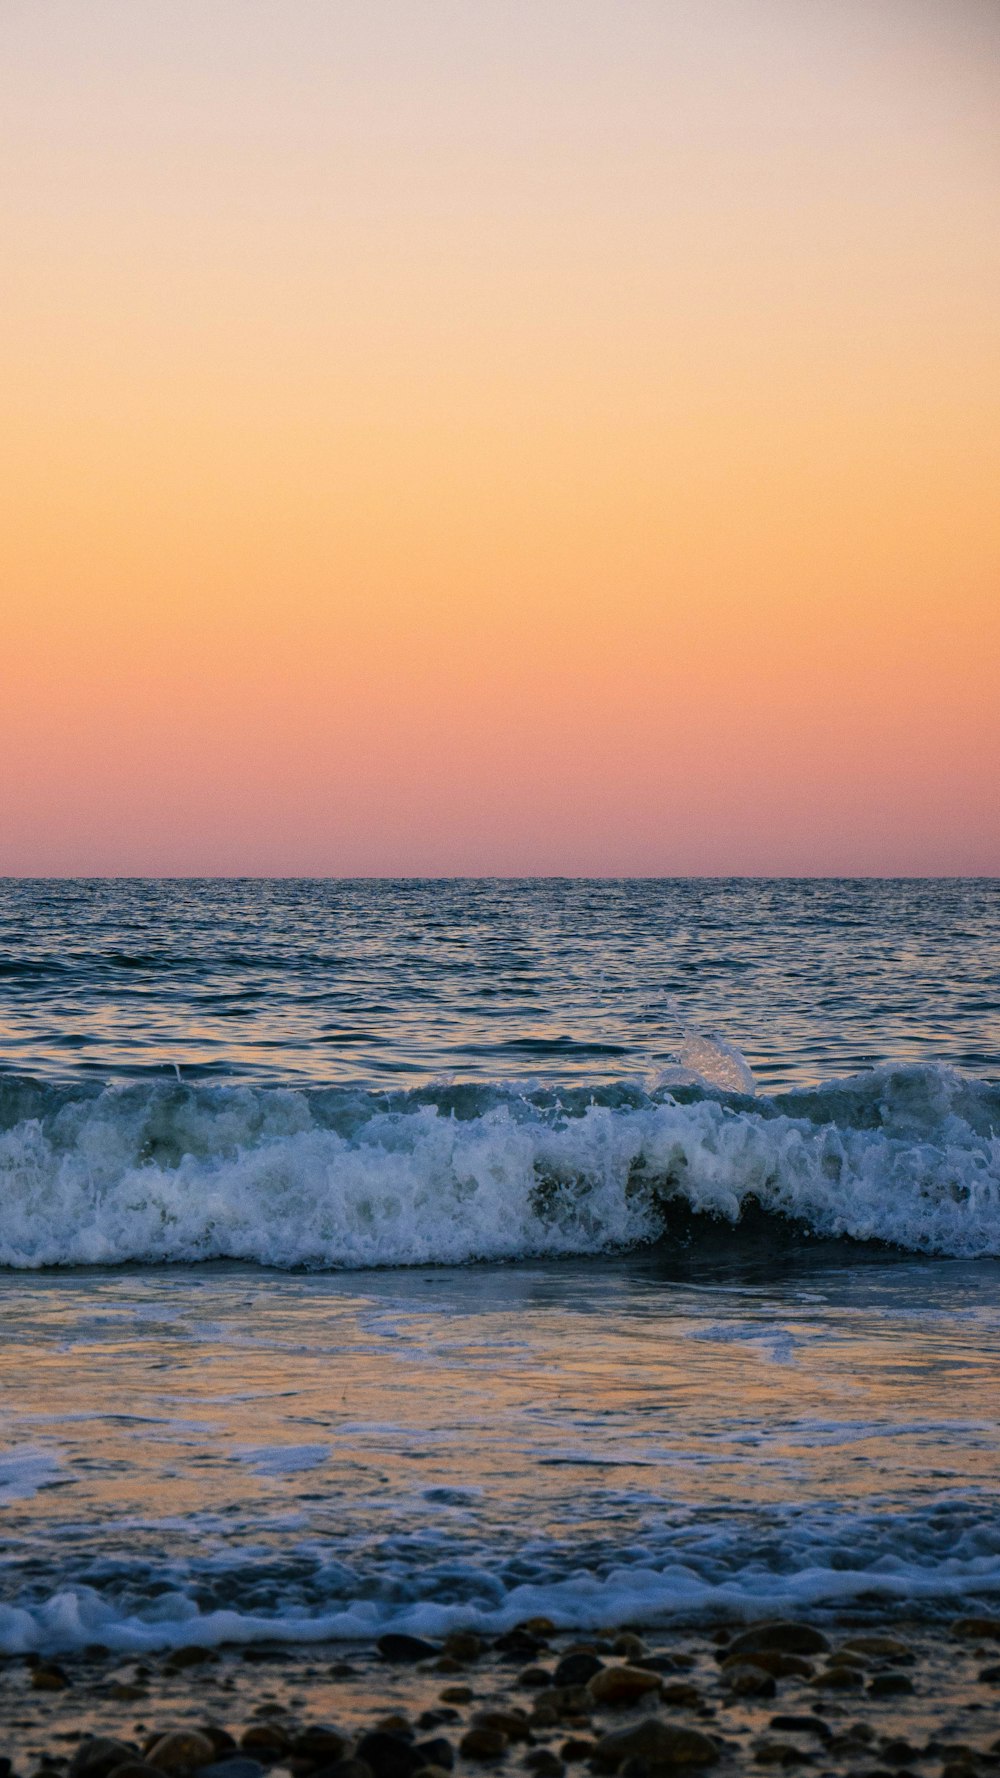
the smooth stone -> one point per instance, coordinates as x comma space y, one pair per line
220, 1738
801, 1725
533, 1678
401, 1648
682, 1695
780, 1753
629, 1645
989, 1675
746, 1680
889, 1685
389, 1756
887, 1648
511, 1723
483, 1744
437, 1752
48, 1677
100, 1754
787, 1638
267, 1738
656, 1743
432, 1719
519, 1645
562, 1700
543, 1761
979, 1628
621, 1685
773, 1661
839, 1679
899, 1753
183, 1750
320, 1744
346, 1768
191, 1655
577, 1747
463, 1645
577, 1668
395, 1724
457, 1694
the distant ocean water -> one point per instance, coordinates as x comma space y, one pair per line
695, 1185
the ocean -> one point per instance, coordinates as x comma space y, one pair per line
421, 1255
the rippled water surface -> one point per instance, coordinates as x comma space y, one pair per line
398, 983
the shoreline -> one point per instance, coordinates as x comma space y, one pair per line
898, 1697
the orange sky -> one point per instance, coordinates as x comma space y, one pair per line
500, 436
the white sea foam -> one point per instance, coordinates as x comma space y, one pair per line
277, 1460
735, 1567
907, 1156
24, 1469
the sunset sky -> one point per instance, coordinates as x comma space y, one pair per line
500, 437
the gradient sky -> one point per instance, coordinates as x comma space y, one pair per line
500, 436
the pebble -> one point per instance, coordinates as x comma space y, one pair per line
543, 1761
560, 1702
773, 1661
989, 1675
188, 1656
882, 1647
801, 1725
577, 1668
780, 1753
839, 1679
788, 1638
632, 1647
979, 1628
746, 1680
346, 1768
98, 1755
266, 1738
656, 1743
388, 1755
320, 1744
464, 1645
47, 1677
402, 1649
457, 1694
533, 1678
682, 1695
889, 1685
438, 1753
483, 1744
509, 1722
183, 1750
621, 1685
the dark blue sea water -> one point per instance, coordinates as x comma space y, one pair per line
398, 983
429, 1253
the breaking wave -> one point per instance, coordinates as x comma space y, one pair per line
162, 1172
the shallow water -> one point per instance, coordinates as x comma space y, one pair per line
741, 1355
224, 1453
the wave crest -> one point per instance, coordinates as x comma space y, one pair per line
339, 1178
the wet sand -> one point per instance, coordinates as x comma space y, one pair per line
897, 1699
